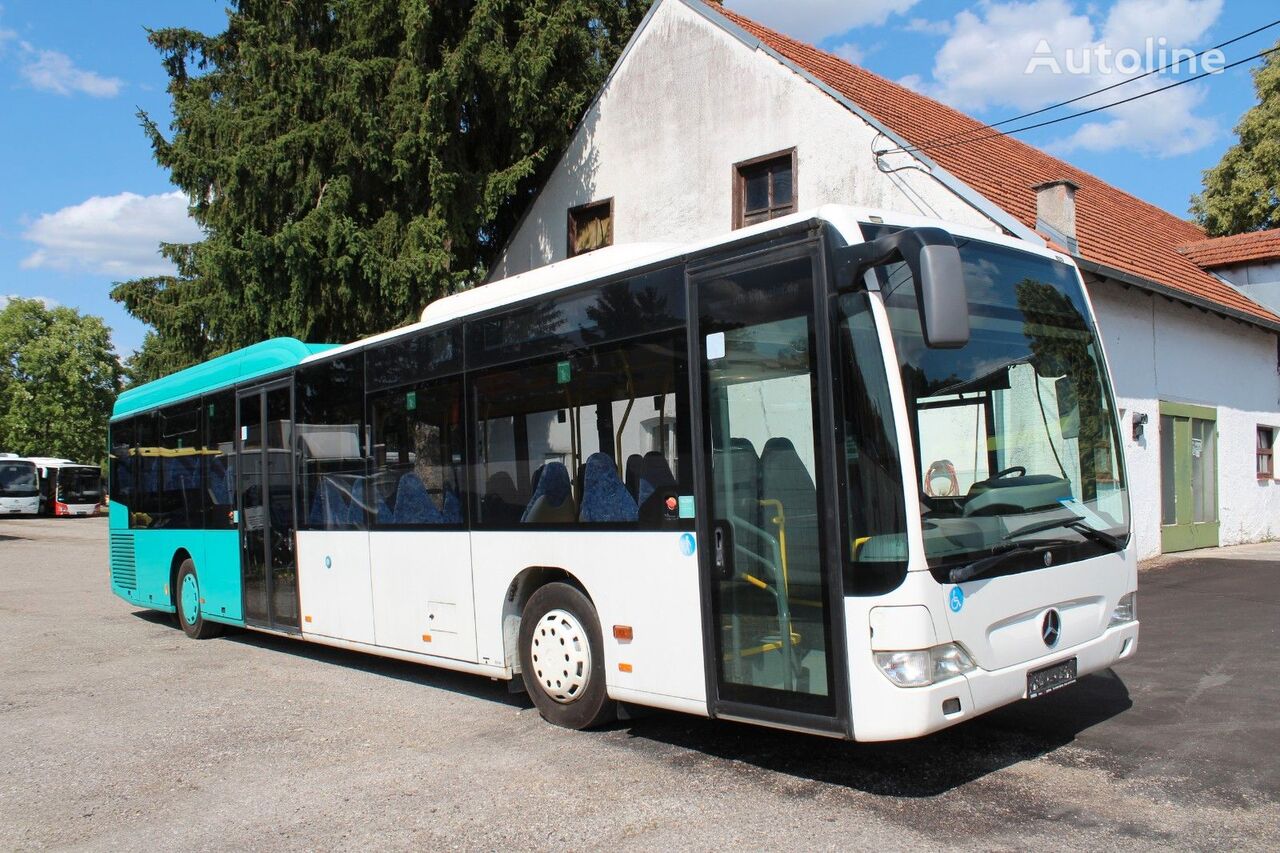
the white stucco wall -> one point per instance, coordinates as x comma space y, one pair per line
1160, 350
687, 103
1259, 281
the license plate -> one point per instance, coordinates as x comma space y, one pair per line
1051, 678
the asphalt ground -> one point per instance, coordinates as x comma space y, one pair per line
116, 731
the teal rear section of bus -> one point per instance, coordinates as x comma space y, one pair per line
148, 547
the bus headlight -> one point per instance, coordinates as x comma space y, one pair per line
923, 667
1126, 610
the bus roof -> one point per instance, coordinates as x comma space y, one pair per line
224, 371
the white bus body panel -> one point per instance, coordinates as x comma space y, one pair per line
334, 585
641, 579
422, 592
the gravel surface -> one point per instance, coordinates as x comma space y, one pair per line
116, 731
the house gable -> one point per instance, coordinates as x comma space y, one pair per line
690, 98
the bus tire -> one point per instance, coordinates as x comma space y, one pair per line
562, 658
186, 599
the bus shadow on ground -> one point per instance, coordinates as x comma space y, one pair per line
921, 768
926, 767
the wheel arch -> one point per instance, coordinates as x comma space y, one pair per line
526, 582
179, 557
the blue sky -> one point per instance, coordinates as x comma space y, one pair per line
83, 203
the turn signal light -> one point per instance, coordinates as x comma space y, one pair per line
624, 667
622, 632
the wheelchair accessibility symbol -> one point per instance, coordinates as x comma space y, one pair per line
957, 599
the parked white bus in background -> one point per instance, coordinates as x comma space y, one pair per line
68, 488
849, 473
19, 486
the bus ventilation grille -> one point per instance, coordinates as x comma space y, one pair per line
124, 570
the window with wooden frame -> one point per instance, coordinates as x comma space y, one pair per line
590, 227
1266, 458
764, 188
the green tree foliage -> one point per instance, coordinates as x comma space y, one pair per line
1242, 193
351, 160
59, 377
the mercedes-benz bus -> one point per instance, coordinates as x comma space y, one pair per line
847, 472
19, 486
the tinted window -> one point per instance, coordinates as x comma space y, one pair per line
414, 358
219, 457
418, 442
643, 305
181, 499
594, 436
333, 493
123, 463
146, 509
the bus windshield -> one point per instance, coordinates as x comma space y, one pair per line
18, 480
1014, 434
79, 485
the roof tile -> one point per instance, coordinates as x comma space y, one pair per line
1236, 249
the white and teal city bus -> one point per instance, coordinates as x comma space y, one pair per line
848, 472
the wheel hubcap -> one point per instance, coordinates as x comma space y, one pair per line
190, 599
561, 656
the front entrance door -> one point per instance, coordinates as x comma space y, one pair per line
1188, 477
760, 520
265, 503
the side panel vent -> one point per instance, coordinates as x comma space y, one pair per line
124, 569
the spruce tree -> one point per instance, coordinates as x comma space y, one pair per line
351, 160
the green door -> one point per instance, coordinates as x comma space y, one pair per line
1188, 477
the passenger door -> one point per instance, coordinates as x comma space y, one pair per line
265, 507
768, 592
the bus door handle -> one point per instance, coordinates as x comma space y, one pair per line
722, 549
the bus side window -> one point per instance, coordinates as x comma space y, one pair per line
334, 492
595, 436
181, 502
123, 463
418, 449
146, 499
219, 460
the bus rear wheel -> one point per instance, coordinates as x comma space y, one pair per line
187, 599
562, 658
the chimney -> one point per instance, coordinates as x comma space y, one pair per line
1056, 212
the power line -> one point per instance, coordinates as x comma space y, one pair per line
912, 149
1166, 67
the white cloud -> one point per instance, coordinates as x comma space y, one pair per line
928, 27
1163, 126
51, 71
112, 235
986, 62
48, 303
815, 20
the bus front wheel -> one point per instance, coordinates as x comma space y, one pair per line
562, 658
187, 599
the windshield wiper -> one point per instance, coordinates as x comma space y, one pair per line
1073, 522
999, 556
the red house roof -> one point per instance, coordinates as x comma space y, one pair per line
1237, 249
1123, 235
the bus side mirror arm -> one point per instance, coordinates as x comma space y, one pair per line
936, 272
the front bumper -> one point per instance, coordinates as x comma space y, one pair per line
915, 711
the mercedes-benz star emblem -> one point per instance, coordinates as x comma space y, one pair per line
1048, 559
1051, 628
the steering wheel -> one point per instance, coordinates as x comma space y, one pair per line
1020, 470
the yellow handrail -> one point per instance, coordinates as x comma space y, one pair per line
781, 520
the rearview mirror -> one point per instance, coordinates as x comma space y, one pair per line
936, 272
